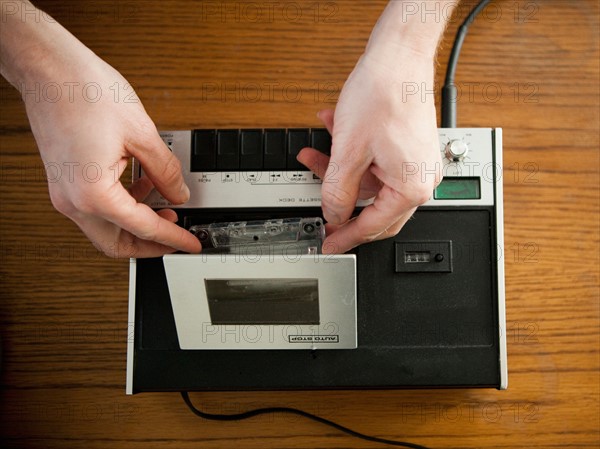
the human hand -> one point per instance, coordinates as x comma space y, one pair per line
86, 140
385, 146
88, 123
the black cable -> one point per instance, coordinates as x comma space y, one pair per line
293, 411
449, 91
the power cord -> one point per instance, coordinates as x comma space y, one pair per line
293, 411
449, 91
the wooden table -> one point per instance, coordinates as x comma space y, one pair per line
530, 67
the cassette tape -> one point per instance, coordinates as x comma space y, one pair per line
286, 236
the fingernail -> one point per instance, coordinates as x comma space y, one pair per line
185, 192
331, 216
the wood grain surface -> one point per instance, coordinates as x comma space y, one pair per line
530, 67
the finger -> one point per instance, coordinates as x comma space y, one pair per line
327, 116
389, 232
331, 228
141, 188
330, 245
346, 237
314, 160
141, 249
343, 177
160, 164
395, 228
120, 208
370, 185
318, 162
132, 246
116, 242
384, 218
168, 214
341, 185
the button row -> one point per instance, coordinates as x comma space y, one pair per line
254, 149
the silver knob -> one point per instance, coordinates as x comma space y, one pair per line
456, 150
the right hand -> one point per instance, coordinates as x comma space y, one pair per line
385, 147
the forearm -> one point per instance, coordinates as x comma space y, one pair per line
408, 27
34, 47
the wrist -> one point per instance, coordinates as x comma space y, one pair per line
34, 48
408, 28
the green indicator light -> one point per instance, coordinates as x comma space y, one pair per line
458, 189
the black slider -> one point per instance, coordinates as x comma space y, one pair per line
297, 139
228, 155
204, 154
321, 140
251, 154
274, 154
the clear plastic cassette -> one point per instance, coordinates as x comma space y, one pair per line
277, 236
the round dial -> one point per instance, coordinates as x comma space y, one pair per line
456, 150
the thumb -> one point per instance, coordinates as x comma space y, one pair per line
159, 164
341, 184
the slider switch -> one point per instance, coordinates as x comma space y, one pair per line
274, 155
228, 155
204, 155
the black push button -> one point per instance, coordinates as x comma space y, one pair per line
321, 140
297, 139
204, 154
251, 154
274, 154
228, 156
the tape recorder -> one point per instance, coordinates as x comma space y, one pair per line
263, 308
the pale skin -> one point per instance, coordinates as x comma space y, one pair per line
377, 133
